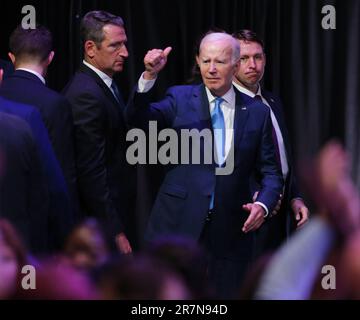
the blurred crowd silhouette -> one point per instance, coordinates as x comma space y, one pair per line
174, 268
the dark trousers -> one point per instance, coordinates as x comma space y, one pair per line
225, 276
274, 232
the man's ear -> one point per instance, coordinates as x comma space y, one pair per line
12, 57
50, 57
90, 49
198, 61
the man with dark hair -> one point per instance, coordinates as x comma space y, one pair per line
247, 80
31, 51
28, 45
195, 200
105, 180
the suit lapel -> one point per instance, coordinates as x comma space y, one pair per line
279, 117
274, 108
200, 105
200, 117
101, 83
240, 118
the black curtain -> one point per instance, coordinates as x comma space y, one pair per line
314, 71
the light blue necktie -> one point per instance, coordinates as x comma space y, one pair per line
218, 123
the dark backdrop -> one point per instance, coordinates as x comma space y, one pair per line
315, 71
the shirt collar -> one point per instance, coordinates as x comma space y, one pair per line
229, 97
104, 77
259, 92
34, 73
247, 91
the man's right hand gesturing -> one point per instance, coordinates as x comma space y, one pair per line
154, 62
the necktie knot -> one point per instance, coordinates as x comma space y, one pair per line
218, 102
217, 115
258, 97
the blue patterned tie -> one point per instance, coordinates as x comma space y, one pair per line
116, 92
218, 123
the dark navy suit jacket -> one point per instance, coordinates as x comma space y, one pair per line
274, 233
25, 87
183, 200
7, 67
24, 198
60, 218
292, 189
106, 181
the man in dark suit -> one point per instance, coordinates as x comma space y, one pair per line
59, 217
195, 200
105, 179
293, 212
24, 199
31, 53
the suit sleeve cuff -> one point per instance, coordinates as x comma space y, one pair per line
145, 85
265, 208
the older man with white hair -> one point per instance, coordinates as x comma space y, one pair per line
193, 200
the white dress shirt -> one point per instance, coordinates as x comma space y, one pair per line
104, 77
34, 73
228, 109
279, 136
